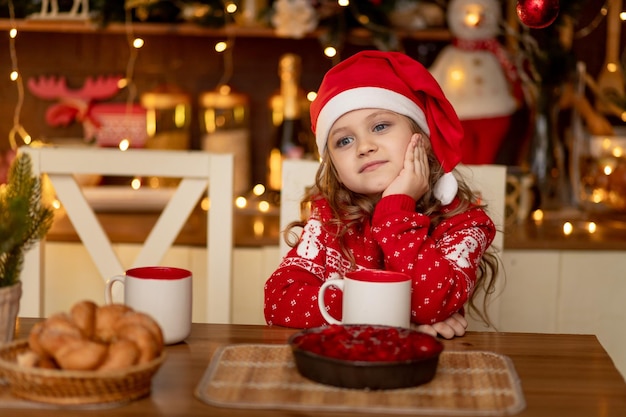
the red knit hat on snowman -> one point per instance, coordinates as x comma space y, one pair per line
392, 81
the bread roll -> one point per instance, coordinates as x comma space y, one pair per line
121, 354
143, 338
80, 355
59, 330
84, 315
142, 319
33, 338
106, 318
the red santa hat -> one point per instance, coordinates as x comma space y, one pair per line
392, 81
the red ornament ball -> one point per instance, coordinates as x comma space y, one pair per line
537, 14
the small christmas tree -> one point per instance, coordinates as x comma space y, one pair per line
24, 220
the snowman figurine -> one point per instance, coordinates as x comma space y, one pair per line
478, 78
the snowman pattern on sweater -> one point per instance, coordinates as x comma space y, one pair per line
309, 246
461, 252
442, 263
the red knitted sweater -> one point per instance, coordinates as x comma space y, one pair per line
442, 264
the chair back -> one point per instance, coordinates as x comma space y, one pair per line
198, 171
297, 175
489, 181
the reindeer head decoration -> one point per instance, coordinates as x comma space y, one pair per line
74, 105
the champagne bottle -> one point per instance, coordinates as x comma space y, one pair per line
292, 137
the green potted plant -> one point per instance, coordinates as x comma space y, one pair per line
24, 220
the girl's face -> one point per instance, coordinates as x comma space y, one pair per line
367, 148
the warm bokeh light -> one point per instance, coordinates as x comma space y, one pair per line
343, 3
258, 189
537, 215
457, 75
473, 15
567, 228
205, 204
221, 46
592, 227
138, 43
364, 19
241, 202
311, 95
14, 75
135, 183
154, 182
231, 7
124, 144
264, 206
13, 33
19, 130
180, 115
259, 228
330, 51
598, 195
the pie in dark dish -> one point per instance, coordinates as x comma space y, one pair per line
366, 356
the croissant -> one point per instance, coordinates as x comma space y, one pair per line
92, 337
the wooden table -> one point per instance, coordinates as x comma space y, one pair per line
561, 375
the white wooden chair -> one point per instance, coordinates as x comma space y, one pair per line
297, 175
199, 172
488, 180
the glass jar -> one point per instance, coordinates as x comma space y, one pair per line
224, 124
603, 173
168, 118
168, 124
598, 160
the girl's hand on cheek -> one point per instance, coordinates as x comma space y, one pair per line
413, 178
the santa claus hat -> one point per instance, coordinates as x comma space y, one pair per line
392, 81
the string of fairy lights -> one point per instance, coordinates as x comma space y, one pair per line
19, 135
17, 128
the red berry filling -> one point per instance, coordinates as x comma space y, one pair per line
369, 343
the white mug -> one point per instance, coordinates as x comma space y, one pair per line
371, 296
162, 292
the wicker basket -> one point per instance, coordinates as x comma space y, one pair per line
74, 387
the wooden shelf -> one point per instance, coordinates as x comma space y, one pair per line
190, 29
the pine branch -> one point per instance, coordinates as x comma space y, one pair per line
23, 219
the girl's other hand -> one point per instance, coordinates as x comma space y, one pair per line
455, 325
413, 178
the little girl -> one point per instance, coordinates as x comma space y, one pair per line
385, 198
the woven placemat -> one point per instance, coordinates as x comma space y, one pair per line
265, 377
